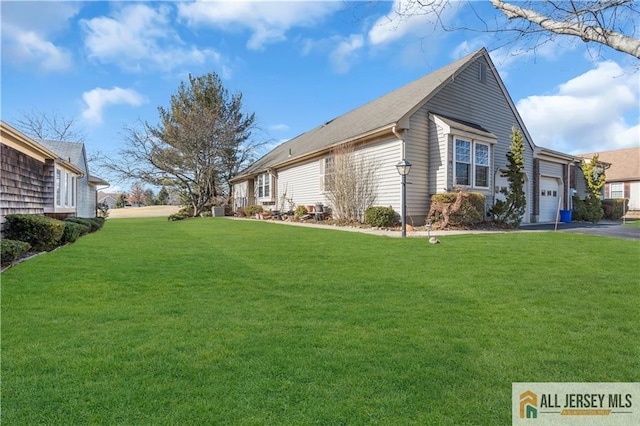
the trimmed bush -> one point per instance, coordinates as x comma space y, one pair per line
182, 214
470, 212
72, 231
380, 217
43, 233
614, 208
587, 210
94, 223
11, 250
253, 210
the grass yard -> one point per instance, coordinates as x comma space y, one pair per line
214, 321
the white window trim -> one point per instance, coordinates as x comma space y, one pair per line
323, 172
473, 164
58, 187
611, 191
266, 183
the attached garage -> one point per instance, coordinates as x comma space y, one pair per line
549, 197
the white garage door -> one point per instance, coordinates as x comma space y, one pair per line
549, 196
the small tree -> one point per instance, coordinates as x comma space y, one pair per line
149, 197
163, 196
350, 182
136, 194
594, 175
595, 178
121, 201
511, 210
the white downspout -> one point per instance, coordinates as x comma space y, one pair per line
403, 208
394, 130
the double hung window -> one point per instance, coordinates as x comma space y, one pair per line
471, 163
58, 187
616, 190
327, 173
263, 185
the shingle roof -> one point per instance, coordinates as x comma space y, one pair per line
625, 164
378, 114
70, 151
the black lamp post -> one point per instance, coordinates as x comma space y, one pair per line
403, 169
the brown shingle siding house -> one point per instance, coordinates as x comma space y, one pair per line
623, 175
35, 179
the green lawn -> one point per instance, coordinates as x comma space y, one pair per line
214, 321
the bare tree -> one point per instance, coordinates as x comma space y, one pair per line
611, 23
136, 194
49, 126
350, 182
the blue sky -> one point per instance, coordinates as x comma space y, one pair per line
297, 64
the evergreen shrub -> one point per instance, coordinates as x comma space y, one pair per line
42, 233
91, 224
614, 208
72, 231
381, 217
587, 210
11, 250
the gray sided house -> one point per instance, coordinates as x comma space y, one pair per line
454, 126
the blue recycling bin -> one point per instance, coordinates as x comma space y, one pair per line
565, 216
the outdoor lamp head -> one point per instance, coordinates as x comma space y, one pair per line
403, 167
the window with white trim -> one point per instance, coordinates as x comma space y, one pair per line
58, 187
471, 163
263, 185
66, 189
616, 190
327, 170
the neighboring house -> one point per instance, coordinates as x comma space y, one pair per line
45, 177
75, 153
34, 179
110, 199
454, 126
623, 174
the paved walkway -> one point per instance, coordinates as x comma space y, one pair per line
604, 228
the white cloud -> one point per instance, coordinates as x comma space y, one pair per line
28, 31
137, 36
411, 18
268, 21
98, 98
346, 52
29, 48
279, 127
587, 113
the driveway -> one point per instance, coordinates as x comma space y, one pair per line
604, 228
